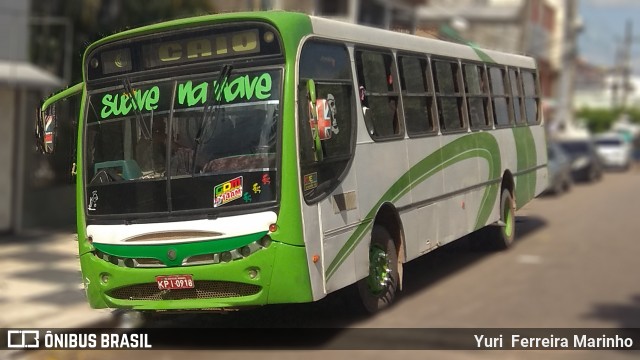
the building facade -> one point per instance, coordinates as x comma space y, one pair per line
27, 200
530, 27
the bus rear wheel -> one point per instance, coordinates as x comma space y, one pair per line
504, 234
377, 291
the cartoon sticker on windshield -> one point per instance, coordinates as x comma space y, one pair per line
227, 192
325, 122
310, 181
93, 201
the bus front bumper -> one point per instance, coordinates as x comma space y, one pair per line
277, 274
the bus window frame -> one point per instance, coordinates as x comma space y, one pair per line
536, 96
519, 97
429, 95
489, 124
460, 96
505, 95
396, 92
355, 108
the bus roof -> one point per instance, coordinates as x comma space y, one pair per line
363, 34
335, 30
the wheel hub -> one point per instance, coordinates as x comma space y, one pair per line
379, 270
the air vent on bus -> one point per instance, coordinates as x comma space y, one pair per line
130, 262
201, 259
227, 256
174, 235
203, 289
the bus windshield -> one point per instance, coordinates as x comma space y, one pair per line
154, 148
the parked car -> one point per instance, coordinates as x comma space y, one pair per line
586, 165
614, 150
559, 167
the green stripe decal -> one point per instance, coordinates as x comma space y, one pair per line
453, 34
527, 160
183, 250
478, 145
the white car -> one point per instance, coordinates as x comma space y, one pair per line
614, 150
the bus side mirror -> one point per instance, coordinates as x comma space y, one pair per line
46, 129
313, 120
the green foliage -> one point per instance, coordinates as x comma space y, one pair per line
94, 19
600, 120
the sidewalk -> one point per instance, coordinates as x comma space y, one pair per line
40, 284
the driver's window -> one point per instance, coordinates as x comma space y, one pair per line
329, 121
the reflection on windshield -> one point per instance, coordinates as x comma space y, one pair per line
240, 138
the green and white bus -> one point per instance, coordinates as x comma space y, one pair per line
245, 159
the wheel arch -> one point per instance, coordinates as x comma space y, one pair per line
509, 184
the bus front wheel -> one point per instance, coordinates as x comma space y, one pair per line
377, 291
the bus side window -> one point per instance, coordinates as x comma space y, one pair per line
531, 97
380, 99
477, 96
416, 95
499, 97
329, 66
445, 76
516, 97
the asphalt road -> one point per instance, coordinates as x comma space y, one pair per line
574, 265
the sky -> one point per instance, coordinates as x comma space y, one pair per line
603, 30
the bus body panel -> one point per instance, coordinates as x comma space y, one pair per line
280, 280
443, 186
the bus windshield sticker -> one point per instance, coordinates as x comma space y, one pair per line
227, 192
93, 201
266, 179
122, 104
332, 107
326, 125
247, 197
310, 181
241, 88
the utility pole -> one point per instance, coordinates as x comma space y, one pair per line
564, 112
616, 76
626, 64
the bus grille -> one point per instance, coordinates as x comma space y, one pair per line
203, 290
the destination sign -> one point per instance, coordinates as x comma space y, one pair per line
182, 51
182, 48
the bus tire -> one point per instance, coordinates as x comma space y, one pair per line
505, 235
378, 290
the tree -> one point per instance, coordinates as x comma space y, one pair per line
94, 19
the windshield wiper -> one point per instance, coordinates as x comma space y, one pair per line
146, 132
210, 110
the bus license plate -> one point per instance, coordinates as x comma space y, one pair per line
173, 282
